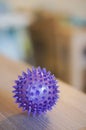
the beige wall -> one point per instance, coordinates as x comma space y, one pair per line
75, 7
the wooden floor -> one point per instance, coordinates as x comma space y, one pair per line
68, 114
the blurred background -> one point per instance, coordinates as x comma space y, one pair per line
46, 33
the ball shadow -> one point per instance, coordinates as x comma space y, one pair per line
24, 122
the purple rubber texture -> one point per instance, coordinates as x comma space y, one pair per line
36, 91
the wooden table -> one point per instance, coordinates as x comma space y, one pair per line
68, 114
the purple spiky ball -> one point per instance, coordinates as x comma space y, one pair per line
36, 91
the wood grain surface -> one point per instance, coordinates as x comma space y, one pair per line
68, 114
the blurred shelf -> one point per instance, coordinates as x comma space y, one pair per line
14, 19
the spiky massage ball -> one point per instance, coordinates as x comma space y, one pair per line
36, 91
